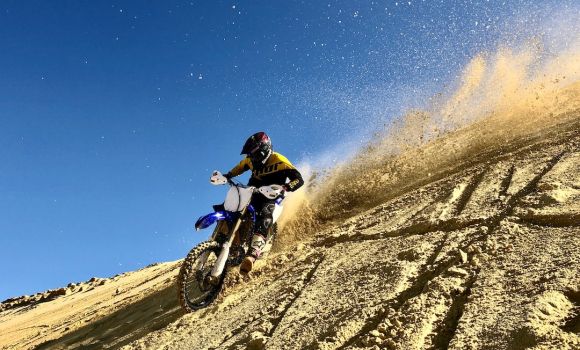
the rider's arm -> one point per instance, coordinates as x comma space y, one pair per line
239, 169
289, 171
296, 180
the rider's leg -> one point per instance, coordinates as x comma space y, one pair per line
264, 219
264, 211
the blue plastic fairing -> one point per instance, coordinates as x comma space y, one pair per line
253, 212
210, 219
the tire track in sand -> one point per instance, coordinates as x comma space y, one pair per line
317, 258
445, 334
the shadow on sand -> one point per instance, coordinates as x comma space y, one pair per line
124, 326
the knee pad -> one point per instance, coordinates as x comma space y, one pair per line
262, 226
265, 219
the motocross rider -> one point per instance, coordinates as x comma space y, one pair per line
268, 168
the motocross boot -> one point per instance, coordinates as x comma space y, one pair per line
258, 243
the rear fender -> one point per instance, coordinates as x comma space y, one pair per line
209, 219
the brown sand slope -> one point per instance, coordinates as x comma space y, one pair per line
466, 240
484, 256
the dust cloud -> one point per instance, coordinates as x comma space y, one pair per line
500, 99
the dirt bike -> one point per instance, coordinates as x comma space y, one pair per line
203, 271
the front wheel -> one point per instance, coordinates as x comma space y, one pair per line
196, 288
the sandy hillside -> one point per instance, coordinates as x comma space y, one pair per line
485, 257
469, 240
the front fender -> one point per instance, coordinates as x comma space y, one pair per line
210, 219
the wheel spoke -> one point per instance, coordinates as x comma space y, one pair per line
195, 289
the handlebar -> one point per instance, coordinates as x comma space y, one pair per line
233, 182
237, 183
230, 181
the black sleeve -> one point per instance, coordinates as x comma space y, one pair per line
296, 180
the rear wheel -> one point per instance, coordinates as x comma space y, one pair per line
196, 288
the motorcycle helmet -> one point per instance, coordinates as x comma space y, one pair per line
258, 148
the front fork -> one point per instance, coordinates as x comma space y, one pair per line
220, 264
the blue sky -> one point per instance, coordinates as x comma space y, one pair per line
114, 113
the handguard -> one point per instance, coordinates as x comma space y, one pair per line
218, 179
271, 191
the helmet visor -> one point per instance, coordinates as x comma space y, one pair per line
257, 155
